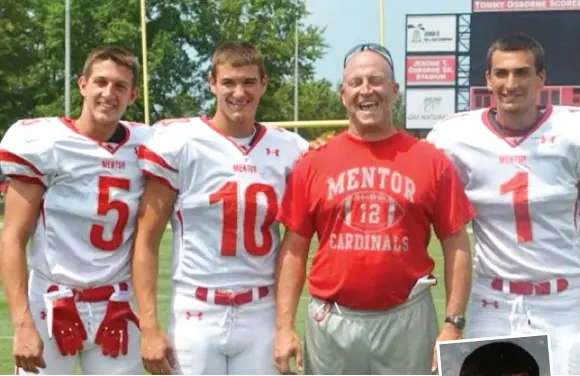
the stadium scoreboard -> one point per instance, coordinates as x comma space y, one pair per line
445, 58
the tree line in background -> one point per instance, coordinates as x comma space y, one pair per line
181, 35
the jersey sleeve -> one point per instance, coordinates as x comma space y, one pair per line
297, 143
160, 154
574, 136
295, 212
26, 152
452, 207
446, 136
436, 136
447, 131
302, 144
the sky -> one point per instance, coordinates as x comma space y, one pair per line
350, 22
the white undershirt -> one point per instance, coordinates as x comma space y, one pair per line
244, 142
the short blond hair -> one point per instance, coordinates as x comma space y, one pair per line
118, 55
237, 54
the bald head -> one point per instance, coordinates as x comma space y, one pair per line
367, 60
368, 93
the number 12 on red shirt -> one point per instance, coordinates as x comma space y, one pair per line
518, 185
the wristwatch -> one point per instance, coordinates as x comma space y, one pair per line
457, 320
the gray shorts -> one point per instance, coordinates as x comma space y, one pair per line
397, 341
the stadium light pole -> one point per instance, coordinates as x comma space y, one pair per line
296, 71
144, 58
382, 22
296, 116
67, 58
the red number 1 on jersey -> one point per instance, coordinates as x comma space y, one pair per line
519, 186
228, 194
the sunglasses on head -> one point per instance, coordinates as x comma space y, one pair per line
375, 47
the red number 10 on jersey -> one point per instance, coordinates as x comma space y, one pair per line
228, 196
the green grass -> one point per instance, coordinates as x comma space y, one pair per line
164, 285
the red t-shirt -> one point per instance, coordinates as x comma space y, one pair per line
372, 205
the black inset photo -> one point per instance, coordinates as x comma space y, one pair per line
499, 356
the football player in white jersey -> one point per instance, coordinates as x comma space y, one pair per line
74, 192
520, 165
220, 180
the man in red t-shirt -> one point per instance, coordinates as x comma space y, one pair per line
371, 195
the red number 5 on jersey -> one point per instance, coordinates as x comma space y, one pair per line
104, 206
228, 193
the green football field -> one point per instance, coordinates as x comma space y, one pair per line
6, 363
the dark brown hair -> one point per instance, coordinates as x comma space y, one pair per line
237, 54
517, 42
119, 55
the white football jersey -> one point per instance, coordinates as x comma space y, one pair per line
225, 232
85, 230
525, 192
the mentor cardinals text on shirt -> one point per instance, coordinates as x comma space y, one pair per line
372, 205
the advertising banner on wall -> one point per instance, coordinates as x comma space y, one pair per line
431, 70
523, 5
425, 107
431, 33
